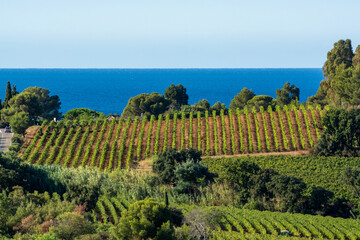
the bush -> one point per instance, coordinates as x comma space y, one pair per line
165, 165
145, 219
70, 225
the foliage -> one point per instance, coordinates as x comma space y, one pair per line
341, 135
83, 114
287, 95
147, 104
190, 175
19, 122
241, 99
165, 165
177, 95
70, 225
261, 101
144, 220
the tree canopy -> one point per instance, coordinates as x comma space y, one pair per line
147, 104
287, 94
340, 72
83, 114
261, 100
177, 95
241, 99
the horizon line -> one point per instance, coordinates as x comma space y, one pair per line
158, 68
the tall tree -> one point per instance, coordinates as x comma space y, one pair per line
14, 91
177, 95
287, 94
341, 55
241, 99
356, 58
7, 95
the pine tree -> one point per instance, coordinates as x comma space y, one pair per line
14, 91
7, 95
356, 58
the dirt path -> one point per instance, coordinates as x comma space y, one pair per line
291, 153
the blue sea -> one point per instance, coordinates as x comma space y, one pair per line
108, 90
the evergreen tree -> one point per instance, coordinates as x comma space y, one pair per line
14, 91
356, 58
287, 94
241, 99
177, 95
341, 55
7, 95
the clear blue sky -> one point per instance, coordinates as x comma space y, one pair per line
173, 34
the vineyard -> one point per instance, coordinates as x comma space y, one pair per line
111, 144
252, 224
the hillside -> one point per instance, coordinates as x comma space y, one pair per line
118, 144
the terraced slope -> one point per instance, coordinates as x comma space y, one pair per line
119, 143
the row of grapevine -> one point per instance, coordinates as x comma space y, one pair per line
58, 142
132, 139
64, 145
98, 143
290, 125
173, 142
273, 126
34, 141
90, 144
207, 150
241, 135
122, 143
157, 135
307, 124
259, 145
223, 127
301, 135
191, 117
216, 136
167, 121
199, 131
232, 132
182, 131
141, 135
115, 145
72, 146
285, 140
246, 111
35, 153
148, 139
315, 125
82, 145
49, 143
265, 126
107, 144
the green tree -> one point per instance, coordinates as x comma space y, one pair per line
166, 163
346, 84
190, 175
218, 106
341, 133
14, 91
356, 58
351, 177
341, 54
241, 99
202, 106
83, 114
19, 122
71, 225
145, 219
7, 95
34, 101
177, 95
261, 100
287, 94
147, 104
